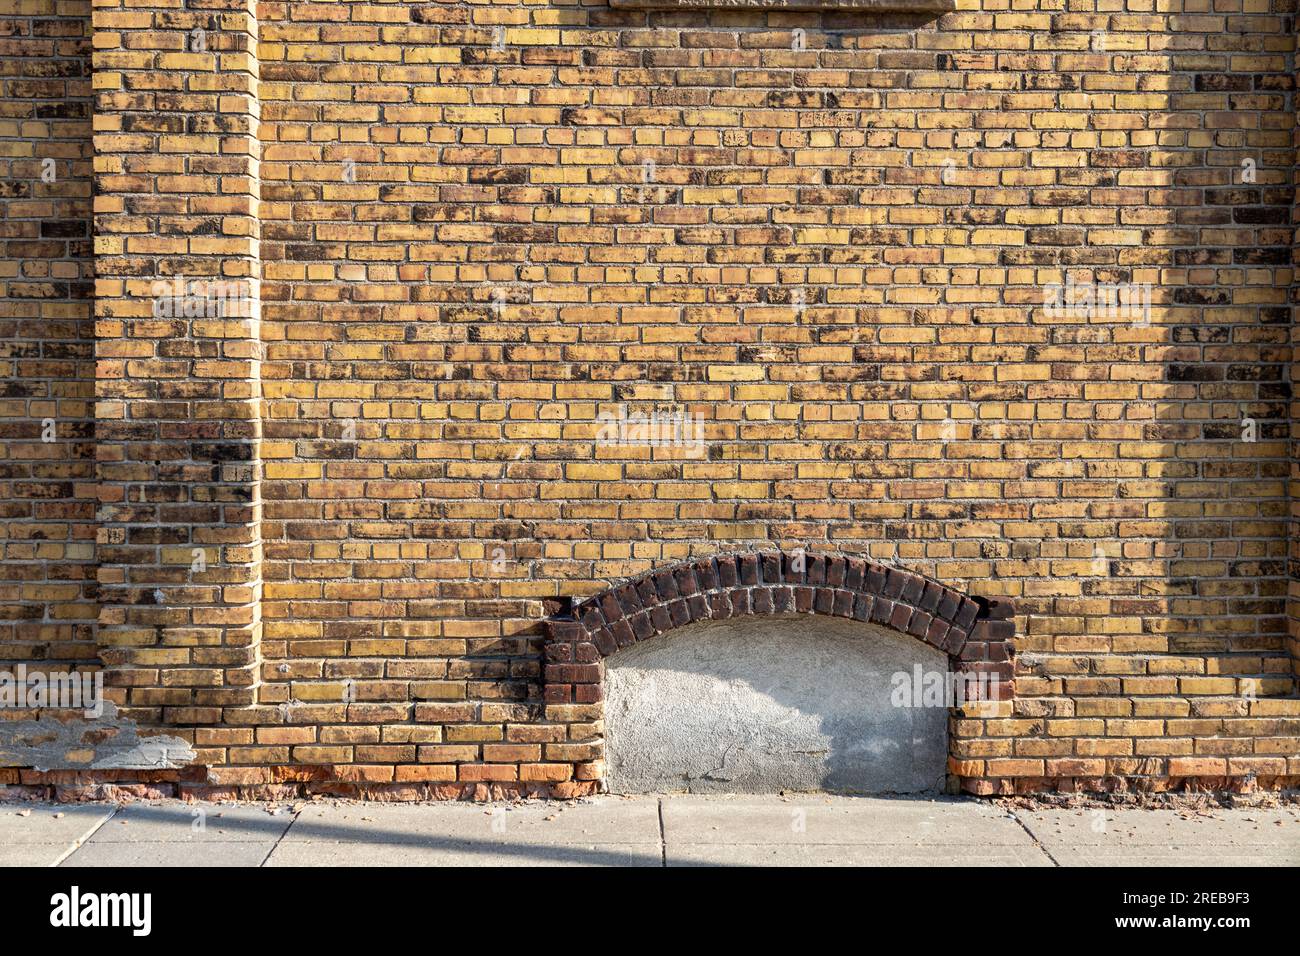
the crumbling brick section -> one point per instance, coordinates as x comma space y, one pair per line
177, 350
975, 633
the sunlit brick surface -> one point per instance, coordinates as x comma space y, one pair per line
47, 532
826, 242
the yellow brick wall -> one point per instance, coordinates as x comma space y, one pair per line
47, 535
838, 260
829, 237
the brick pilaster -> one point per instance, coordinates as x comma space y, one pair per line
1293, 488
178, 354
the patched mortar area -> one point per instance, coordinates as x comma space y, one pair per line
73, 741
790, 702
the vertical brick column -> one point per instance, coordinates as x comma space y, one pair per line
1294, 420
1293, 487
990, 648
47, 561
178, 355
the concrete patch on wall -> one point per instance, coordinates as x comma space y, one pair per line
789, 702
106, 742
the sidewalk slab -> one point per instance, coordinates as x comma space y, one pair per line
604, 821
1115, 837
786, 854
674, 830
838, 821
1114, 827
35, 854
450, 853
1175, 855
41, 834
173, 853
187, 823
51, 822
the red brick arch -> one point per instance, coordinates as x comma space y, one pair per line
975, 632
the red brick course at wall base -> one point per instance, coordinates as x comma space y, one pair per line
367, 531
298, 782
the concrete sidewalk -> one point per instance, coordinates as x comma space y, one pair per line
642, 831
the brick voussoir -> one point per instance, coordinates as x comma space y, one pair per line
666, 586
882, 609
930, 597
966, 614
913, 588
728, 571
919, 624
936, 632
661, 619
855, 573
901, 617
896, 580
604, 641
679, 612
949, 604
843, 603
687, 585
835, 572
783, 599
719, 605
706, 573
645, 589
642, 628
954, 640
610, 608
629, 600
592, 619
622, 632
794, 567
875, 583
